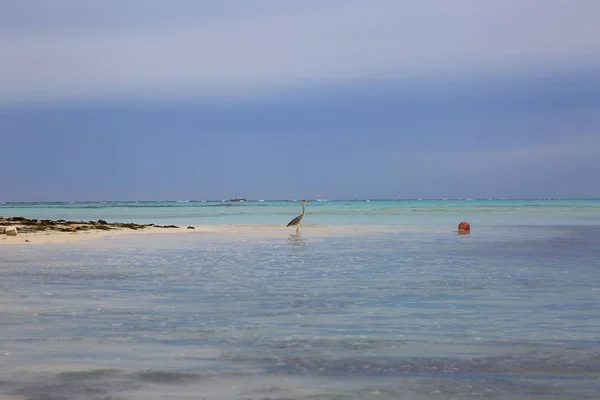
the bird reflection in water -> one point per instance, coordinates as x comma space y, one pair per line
296, 240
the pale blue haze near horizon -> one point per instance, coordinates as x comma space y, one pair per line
150, 100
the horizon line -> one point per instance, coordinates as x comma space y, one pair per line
297, 200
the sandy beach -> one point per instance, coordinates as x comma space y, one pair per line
68, 237
60, 237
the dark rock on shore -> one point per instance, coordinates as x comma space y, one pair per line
61, 225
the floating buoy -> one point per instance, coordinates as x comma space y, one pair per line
464, 227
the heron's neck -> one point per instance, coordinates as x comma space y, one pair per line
302, 208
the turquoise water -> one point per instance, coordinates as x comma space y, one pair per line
428, 213
511, 311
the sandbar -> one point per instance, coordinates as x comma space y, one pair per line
53, 236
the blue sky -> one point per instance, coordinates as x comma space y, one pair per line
128, 100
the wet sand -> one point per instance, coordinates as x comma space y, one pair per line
233, 230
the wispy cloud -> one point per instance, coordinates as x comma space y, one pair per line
140, 48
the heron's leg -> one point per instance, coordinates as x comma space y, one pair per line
298, 228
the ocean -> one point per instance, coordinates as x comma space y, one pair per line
396, 213
389, 303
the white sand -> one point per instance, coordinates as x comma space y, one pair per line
68, 237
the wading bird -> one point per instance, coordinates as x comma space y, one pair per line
296, 221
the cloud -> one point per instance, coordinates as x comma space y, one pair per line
146, 50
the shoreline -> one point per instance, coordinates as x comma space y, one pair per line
56, 237
71, 237
61, 231
25, 230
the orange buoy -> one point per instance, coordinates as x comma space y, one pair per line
464, 227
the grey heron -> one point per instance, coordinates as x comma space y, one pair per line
296, 221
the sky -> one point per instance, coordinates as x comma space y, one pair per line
329, 99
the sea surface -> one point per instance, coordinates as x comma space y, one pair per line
391, 304
415, 213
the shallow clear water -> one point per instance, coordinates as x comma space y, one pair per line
420, 213
511, 311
